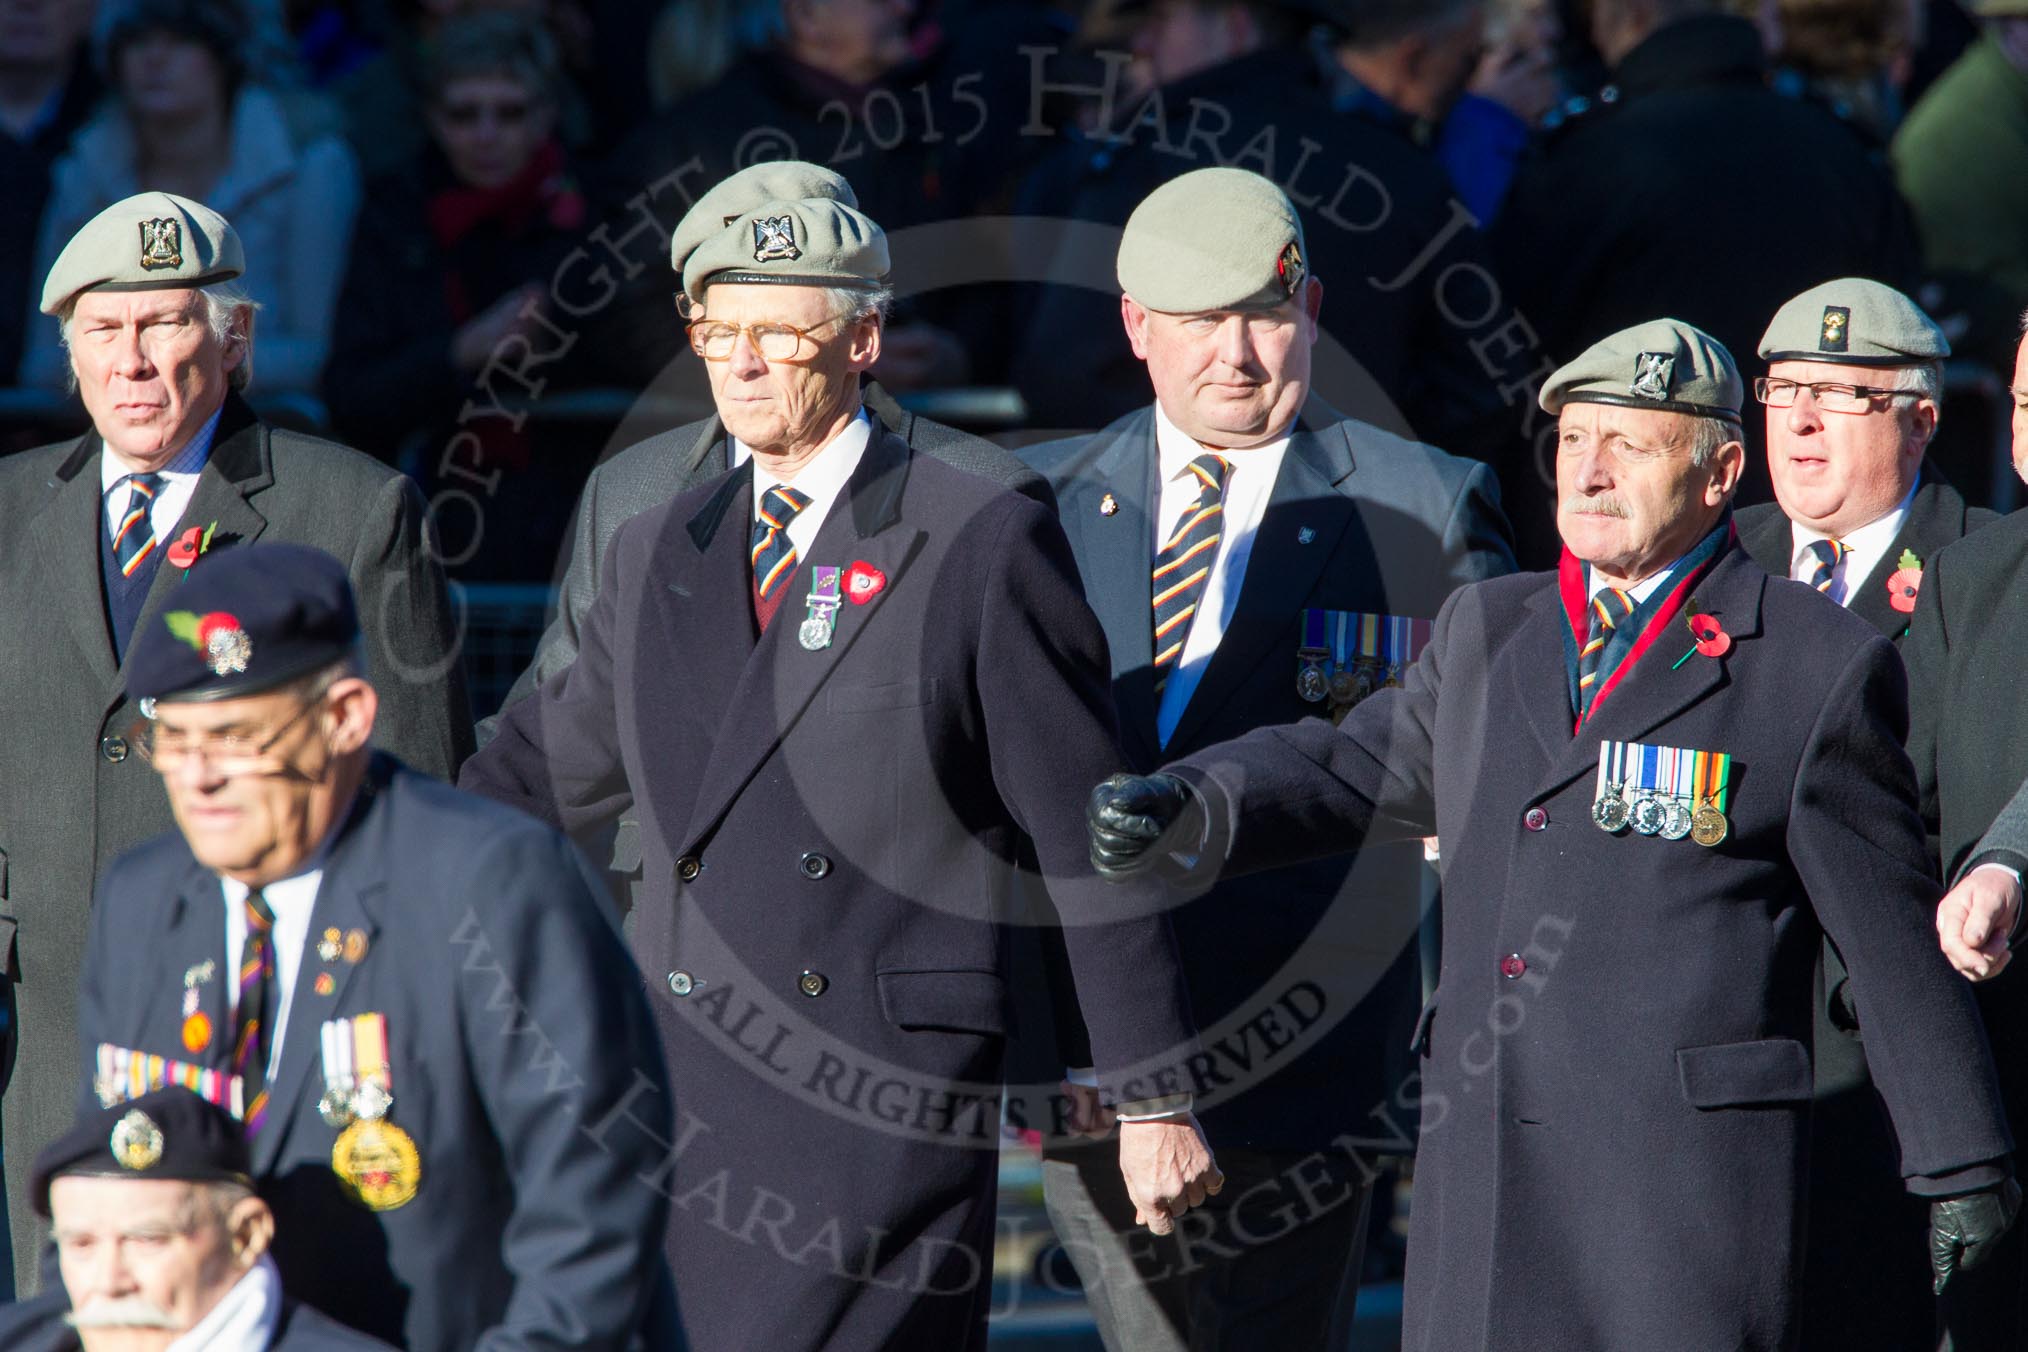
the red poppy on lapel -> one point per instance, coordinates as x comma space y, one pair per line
190, 546
863, 582
1905, 582
1712, 640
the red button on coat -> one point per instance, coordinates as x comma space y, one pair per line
1513, 966
1535, 819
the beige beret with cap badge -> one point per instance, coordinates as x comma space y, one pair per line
807, 242
1854, 321
150, 241
1213, 239
1663, 364
754, 186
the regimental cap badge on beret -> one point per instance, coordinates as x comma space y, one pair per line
722, 205
1289, 267
137, 1142
161, 243
774, 239
218, 636
1837, 330
1653, 373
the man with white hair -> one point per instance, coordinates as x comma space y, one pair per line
98, 532
162, 1241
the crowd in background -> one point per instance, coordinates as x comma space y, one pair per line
457, 210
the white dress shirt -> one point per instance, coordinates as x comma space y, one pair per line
245, 1318
1865, 547
1638, 593
1248, 486
822, 480
179, 481
293, 900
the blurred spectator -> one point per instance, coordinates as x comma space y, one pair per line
694, 41
1854, 55
1515, 85
333, 38
1239, 84
186, 119
47, 90
383, 97
1687, 188
451, 260
1962, 158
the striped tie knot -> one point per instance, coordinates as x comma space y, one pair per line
1183, 565
1825, 556
1608, 608
774, 557
133, 537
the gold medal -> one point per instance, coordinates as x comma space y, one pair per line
378, 1164
1708, 825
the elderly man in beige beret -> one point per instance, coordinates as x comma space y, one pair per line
1320, 524
161, 340
849, 690
1660, 777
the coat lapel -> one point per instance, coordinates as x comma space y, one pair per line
1936, 516
70, 525
1769, 537
1118, 551
347, 900
237, 467
782, 677
1306, 519
195, 937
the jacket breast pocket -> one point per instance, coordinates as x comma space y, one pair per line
1762, 1073
945, 1001
862, 699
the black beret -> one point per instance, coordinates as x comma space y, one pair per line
170, 1133
245, 619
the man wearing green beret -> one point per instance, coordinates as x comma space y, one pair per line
161, 338
1215, 530
1853, 394
1660, 777
851, 692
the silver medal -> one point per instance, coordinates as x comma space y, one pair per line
1675, 819
1610, 811
1648, 814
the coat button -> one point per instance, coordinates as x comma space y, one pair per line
812, 984
815, 866
1535, 819
1513, 966
680, 983
114, 749
688, 868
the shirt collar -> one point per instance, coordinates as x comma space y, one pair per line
245, 1317
307, 878
1871, 538
825, 475
1175, 448
1640, 591
186, 462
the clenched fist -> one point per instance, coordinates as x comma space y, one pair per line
1130, 815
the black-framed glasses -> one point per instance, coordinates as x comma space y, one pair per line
1831, 396
714, 340
233, 751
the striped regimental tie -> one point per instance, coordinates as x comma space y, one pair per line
1822, 565
134, 537
256, 1007
1608, 609
774, 556
1184, 563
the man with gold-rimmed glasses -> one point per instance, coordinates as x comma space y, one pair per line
1852, 394
850, 690
415, 1001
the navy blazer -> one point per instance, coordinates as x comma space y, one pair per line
521, 1048
1616, 1081
38, 1325
830, 839
1359, 520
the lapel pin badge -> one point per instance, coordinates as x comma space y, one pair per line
1305, 535
330, 945
1109, 505
355, 945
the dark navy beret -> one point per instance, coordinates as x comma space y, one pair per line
245, 619
170, 1133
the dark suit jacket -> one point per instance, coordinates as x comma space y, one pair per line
37, 1326
71, 795
1394, 528
519, 1037
828, 839
1617, 1083
1937, 516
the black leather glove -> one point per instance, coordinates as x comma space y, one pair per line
1136, 819
1963, 1230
